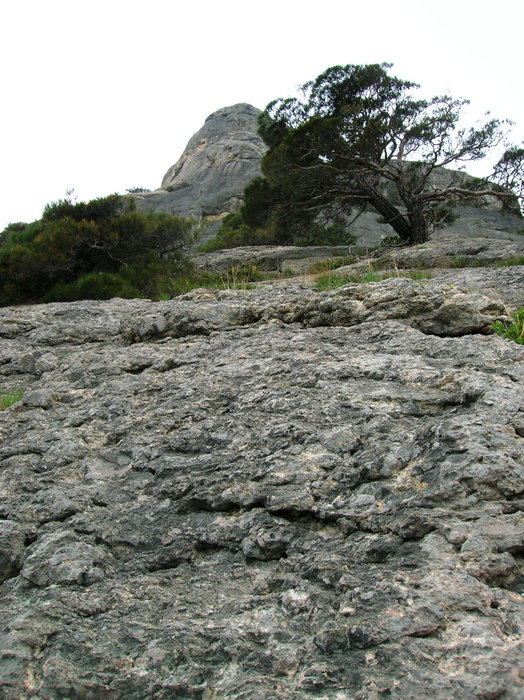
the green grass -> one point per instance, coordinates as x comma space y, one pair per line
511, 261
8, 398
331, 263
512, 330
335, 280
458, 261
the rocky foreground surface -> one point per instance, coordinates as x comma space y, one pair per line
274, 493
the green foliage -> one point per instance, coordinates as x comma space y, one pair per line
149, 279
94, 285
332, 264
20, 233
9, 398
331, 281
233, 233
357, 139
511, 261
460, 261
513, 330
391, 241
152, 279
138, 190
96, 210
73, 240
334, 233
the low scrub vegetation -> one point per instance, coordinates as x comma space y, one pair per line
460, 261
332, 263
512, 330
99, 248
235, 232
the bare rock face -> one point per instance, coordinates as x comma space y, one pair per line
265, 493
217, 164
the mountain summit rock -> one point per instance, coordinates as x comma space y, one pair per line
217, 164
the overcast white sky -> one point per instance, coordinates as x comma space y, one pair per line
103, 95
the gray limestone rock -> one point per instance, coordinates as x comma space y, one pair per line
265, 493
217, 164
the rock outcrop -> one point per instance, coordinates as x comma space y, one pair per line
217, 164
265, 493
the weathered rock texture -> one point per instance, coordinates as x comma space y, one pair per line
273, 493
217, 164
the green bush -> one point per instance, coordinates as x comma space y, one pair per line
334, 233
332, 263
391, 241
95, 285
73, 242
233, 233
511, 261
150, 279
512, 330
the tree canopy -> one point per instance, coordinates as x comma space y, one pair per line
357, 138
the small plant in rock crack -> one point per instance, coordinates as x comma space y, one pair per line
513, 330
8, 398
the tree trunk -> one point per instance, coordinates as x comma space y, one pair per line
411, 227
398, 221
419, 224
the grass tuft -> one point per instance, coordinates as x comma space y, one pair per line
512, 330
8, 398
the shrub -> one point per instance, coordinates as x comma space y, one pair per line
95, 285
332, 263
511, 261
391, 241
512, 330
334, 233
73, 240
233, 233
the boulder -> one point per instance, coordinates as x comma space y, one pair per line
217, 164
